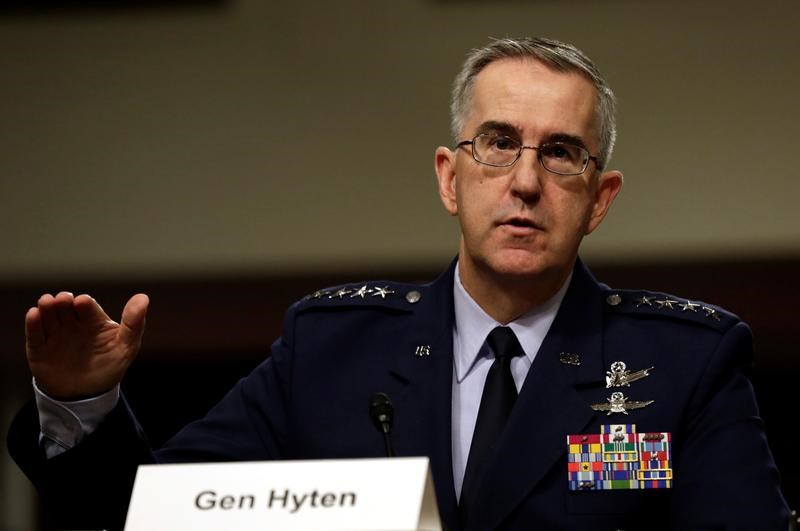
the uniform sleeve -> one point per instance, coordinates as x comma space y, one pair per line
89, 485
728, 478
250, 423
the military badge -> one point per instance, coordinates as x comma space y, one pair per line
620, 376
619, 403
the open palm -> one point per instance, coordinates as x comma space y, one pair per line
75, 350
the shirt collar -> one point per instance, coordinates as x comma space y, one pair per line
473, 324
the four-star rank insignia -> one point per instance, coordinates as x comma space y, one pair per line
619, 458
352, 292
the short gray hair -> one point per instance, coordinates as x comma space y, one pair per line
557, 55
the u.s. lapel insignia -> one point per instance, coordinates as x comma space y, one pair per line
618, 403
570, 358
618, 458
620, 376
422, 350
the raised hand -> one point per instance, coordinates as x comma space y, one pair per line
75, 350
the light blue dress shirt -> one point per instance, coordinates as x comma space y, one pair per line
473, 358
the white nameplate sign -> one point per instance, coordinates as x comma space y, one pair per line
353, 494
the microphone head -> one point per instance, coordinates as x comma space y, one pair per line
381, 411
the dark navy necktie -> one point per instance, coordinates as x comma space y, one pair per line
499, 395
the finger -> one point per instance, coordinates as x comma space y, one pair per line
47, 313
133, 319
88, 310
64, 310
34, 331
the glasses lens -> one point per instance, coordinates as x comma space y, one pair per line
565, 159
495, 150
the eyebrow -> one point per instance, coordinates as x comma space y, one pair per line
566, 138
507, 129
503, 128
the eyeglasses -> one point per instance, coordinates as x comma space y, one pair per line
556, 157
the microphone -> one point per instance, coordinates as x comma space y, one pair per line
381, 412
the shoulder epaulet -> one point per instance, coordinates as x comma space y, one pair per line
649, 303
382, 293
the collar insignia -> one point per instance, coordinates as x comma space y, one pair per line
570, 358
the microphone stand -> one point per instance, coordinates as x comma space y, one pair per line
381, 412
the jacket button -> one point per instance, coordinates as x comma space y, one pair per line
413, 296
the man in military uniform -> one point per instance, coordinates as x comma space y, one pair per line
543, 398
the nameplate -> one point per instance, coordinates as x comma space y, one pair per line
325, 495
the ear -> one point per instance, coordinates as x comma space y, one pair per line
445, 166
608, 186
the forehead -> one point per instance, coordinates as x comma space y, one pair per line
533, 98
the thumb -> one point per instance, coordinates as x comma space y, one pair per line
133, 320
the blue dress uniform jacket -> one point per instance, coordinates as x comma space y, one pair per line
309, 400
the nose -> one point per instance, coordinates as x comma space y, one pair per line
527, 174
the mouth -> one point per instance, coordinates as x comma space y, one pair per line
520, 224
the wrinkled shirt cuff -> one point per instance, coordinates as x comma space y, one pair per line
64, 424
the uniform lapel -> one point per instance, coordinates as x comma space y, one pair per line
548, 408
424, 359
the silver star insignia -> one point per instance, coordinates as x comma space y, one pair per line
382, 292
690, 306
620, 376
667, 303
361, 292
618, 403
711, 312
319, 293
341, 293
644, 300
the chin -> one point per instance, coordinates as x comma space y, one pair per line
523, 264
